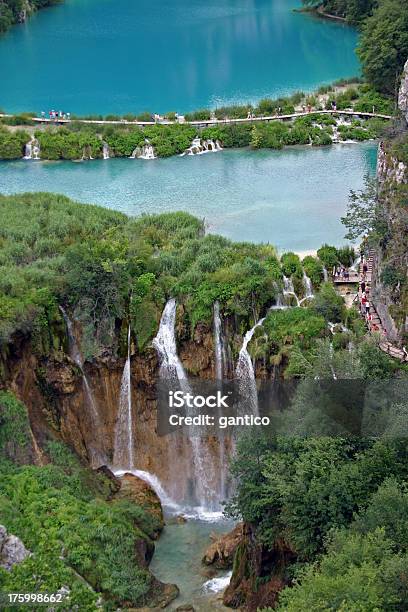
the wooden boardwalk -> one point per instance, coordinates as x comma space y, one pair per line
374, 324
206, 122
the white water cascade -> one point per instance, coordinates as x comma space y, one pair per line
123, 455
76, 356
220, 373
219, 349
288, 285
307, 283
105, 151
199, 146
32, 150
325, 275
171, 369
145, 152
245, 374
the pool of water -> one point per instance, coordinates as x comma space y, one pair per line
118, 56
177, 560
292, 198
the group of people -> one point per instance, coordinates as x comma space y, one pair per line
56, 115
341, 272
363, 295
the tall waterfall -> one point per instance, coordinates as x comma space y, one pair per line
325, 275
307, 283
245, 374
171, 369
76, 356
123, 455
32, 149
220, 372
219, 350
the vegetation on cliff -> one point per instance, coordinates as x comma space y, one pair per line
15, 11
78, 538
106, 267
335, 500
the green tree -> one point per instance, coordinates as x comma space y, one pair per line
383, 47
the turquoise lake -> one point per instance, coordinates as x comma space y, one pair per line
291, 198
118, 56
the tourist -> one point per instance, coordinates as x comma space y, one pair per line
367, 306
362, 286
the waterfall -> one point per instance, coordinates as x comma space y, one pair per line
199, 146
105, 151
307, 283
220, 367
76, 357
171, 369
355, 267
32, 149
145, 152
124, 444
325, 275
156, 485
220, 357
331, 352
288, 285
290, 290
245, 374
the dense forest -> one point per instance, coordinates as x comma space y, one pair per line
16, 11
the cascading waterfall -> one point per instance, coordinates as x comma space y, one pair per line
288, 285
145, 152
32, 150
199, 146
105, 151
245, 374
123, 455
307, 283
171, 369
325, 275
76, 356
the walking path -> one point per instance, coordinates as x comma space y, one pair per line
372, 318
207, 122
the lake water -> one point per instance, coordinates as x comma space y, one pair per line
291, 198
118, 56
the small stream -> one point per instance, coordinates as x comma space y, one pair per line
177, 560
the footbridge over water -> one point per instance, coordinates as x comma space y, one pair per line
209, 122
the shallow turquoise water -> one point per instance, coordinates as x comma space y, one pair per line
291, 198
177, 559
103, 56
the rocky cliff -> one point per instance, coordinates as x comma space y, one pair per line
390, 290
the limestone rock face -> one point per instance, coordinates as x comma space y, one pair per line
222, 550
12, 550
403, 93
141, 493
